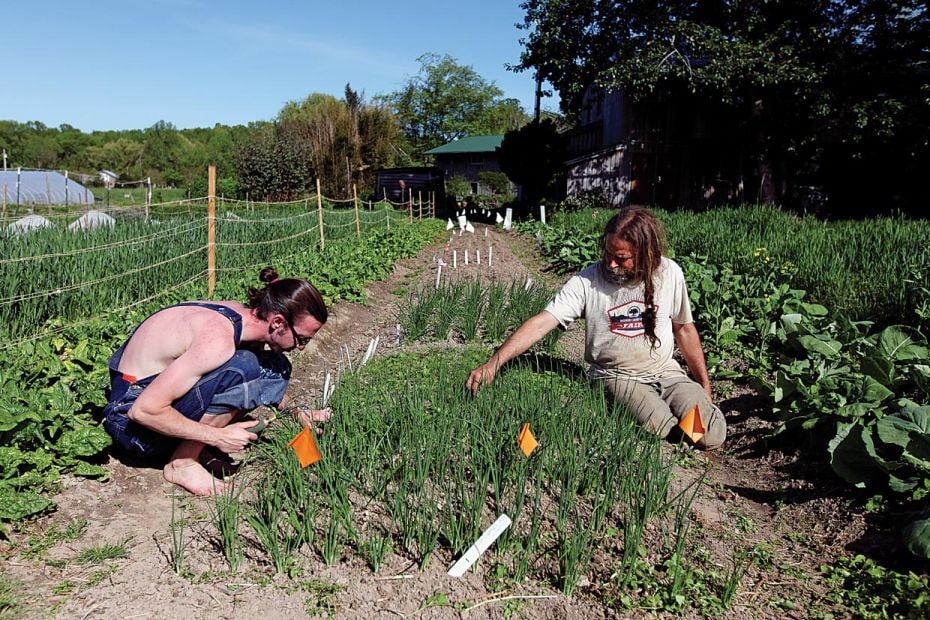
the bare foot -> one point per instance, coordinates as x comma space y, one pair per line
193, 477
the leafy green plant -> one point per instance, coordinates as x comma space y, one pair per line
874, 592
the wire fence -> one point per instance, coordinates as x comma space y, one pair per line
54, 276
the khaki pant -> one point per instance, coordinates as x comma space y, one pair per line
660, 405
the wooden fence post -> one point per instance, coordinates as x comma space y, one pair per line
358, 229
4, 201
319, 209
410, 207
211, 231
420, 203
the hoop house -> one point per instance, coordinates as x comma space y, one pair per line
42, 187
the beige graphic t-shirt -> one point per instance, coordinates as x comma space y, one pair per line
615, 339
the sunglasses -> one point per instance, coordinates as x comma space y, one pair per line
299, 341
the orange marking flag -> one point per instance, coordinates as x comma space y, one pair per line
305, 446
692, 425
526, 441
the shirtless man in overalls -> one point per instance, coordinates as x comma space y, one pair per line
190, 370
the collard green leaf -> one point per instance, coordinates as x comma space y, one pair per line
790, 323
879, 368
850, 458
917, 536
814, 309
874, 392
825, 347
894, 343
901, 427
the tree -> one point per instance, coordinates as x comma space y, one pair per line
800, 78
274, 165
346, 139
533, 157
446, 100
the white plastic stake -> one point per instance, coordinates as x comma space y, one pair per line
542, 214
466, 257
326, 390
397, 331
455, 259
485, 231
478, 256
490, 255
481, 545
438, 275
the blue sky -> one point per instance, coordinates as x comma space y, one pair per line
194, 63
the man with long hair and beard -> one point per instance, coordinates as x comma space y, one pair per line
636, 308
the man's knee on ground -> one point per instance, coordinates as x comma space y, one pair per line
716, 431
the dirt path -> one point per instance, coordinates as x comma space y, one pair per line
754, 499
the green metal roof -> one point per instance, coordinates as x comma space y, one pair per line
469, 144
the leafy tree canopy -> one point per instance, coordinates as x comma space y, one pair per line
446, 100
533, 157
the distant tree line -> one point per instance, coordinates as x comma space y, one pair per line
340, 141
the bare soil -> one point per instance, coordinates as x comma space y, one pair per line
790, 511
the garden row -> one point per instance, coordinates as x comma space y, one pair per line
54, 386
56, 274
851, 379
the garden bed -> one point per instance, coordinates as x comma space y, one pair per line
758, 530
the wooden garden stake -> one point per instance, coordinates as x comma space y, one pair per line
211, 231
358, 229
319, 209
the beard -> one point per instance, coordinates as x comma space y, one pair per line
618, 276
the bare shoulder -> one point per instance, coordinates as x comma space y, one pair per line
167, 335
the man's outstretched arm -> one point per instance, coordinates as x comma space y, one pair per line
689, 343
529, 333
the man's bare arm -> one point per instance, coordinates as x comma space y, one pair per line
689, 343
529, 333
210, 349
